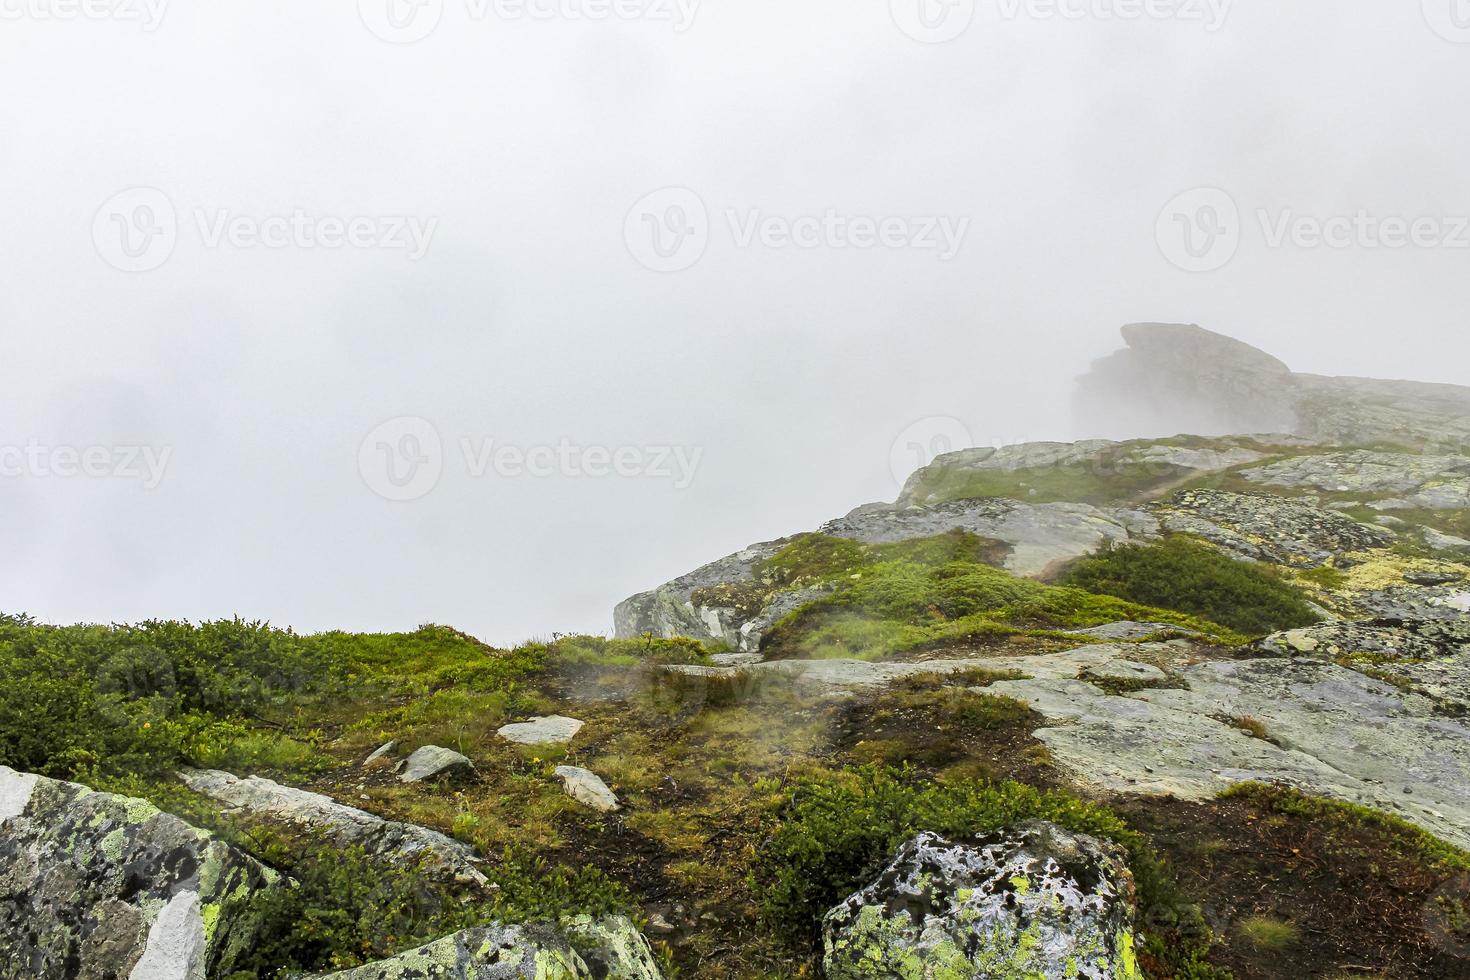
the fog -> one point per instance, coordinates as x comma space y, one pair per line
223, 391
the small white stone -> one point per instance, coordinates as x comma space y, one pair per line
587, 788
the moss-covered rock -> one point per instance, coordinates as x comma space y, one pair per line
492, 952
1033, 901
105, 886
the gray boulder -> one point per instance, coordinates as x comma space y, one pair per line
1033, 901
494, 952
102, 886
401, 843
433, 761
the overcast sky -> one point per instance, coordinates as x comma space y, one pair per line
290, 288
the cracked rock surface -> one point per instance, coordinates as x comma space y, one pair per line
1030, 901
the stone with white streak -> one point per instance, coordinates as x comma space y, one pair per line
109, 888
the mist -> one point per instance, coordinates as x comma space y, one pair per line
312, 320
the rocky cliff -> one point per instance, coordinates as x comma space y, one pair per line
1174, 378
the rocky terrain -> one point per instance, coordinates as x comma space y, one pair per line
1189, 379
1193, 707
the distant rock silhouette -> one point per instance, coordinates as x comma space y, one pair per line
1180, 378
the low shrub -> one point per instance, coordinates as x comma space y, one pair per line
1184, 575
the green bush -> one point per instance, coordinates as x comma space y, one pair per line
348, 908
837, 832
1182, 574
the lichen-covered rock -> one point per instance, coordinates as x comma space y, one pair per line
401, 843
1445, 602
433, 762
1032, 901
1266, 528
1331, 731
613, 947
1387, 640
102, 886
492, 952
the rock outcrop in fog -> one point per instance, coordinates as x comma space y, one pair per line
1174, 378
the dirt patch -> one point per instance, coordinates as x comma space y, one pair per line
1296, 896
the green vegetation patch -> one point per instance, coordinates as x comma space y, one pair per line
1182, 574
894, 598
834, 833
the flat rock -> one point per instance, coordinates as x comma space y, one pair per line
552, 730
1334, 732
819, 676
1444, 542
433, 761
1128, 631
1031, 901
1127, 671
108, 887
1433, 577
402, 843
1361, 472
587, 788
